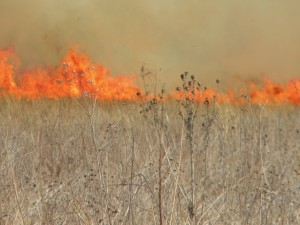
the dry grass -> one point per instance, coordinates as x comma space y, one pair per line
58, 168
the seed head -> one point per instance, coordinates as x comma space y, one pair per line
153, 101
206, 102
66, 64
84, 94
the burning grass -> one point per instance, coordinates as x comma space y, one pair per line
61, 166
77, 76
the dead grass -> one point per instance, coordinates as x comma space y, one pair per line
56, 170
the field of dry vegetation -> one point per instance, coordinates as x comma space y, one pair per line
78, 162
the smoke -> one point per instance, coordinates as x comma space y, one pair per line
212, 39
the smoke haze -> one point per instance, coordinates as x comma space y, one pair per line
212, 39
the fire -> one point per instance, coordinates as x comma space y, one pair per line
6, 70
77, 76
275, 93
261, 92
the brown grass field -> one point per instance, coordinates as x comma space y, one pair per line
75, 162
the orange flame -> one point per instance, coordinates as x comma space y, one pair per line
275, 93
6, 70
263, 92
77, 76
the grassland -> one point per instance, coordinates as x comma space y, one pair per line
60, 164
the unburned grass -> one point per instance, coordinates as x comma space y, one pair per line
246, 164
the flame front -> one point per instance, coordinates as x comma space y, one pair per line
75, 77
260, 92
78, 77
275, 93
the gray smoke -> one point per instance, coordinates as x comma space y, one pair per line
212, 39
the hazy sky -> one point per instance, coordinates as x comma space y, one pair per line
212, 39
